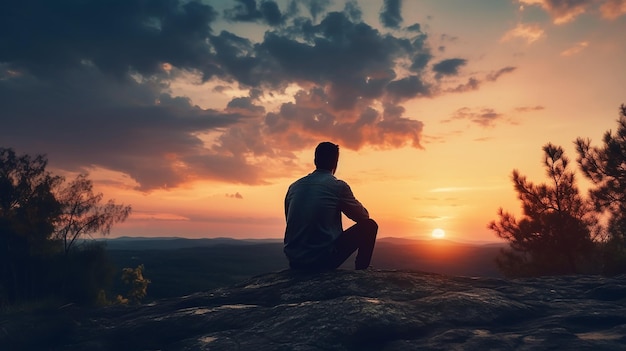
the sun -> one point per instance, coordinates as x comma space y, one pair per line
438, 233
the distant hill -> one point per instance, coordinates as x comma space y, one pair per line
179, 266
173, 243
437, 256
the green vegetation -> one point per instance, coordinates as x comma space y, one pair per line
41, 220
138, 285
560, 231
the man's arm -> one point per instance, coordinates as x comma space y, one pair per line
350, 206
286, 202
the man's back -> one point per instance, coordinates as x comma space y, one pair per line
313, 207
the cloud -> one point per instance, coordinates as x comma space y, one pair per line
562, 11
493, 76
112, 38
484, 117
236, 195
247, 11
390, 14
316, 7
613, 9
528, 32
529, 108
129, 126
471, 84
474, 83
156, 216
577, 48
353, 11
449, 67
565, 11
94, 86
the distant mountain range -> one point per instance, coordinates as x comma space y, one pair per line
172, 243
180, 266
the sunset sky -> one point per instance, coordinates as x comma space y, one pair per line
200, 114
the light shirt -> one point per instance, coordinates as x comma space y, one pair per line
313, 207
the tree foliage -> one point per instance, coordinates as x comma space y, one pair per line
138, 285
553, 236
605, 167
82, 214
28, 209
41, 219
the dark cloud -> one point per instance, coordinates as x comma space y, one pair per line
474, 83
245, 104
352, 60
316, 7
45, 37
390, 14
449, 67
407, 88
493, 76
88, 119
247, 11
471, 84
416, 27
90, 84
353, 11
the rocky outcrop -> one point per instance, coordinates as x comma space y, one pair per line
362, 310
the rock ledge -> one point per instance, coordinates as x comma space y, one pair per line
365, 310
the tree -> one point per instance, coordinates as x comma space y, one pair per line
605, 167
41, 220
82, 214
28, 209
553, 236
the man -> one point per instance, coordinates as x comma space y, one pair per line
314, 236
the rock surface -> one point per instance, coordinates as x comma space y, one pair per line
352, 310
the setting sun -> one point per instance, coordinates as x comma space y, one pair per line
438, 233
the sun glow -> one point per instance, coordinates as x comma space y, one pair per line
438, 233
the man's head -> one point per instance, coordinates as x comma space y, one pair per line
327, 156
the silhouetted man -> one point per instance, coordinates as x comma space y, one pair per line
314, 236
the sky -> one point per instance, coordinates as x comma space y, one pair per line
199, 114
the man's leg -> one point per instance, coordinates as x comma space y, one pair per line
361, 237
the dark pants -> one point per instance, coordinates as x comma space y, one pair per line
361, 237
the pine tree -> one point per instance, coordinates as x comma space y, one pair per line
553, 236
605, 167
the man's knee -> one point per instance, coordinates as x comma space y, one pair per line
370, 226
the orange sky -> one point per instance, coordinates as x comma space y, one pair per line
199, 138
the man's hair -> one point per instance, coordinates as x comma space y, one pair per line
326, 155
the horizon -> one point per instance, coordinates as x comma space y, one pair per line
199, 114
416, 239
